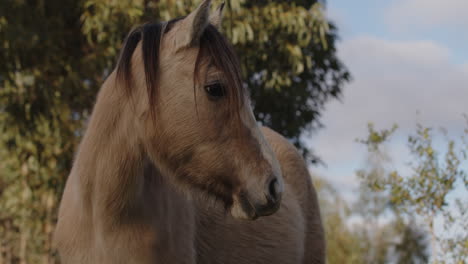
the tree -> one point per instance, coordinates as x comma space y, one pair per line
343, 242
423, 194
388, 236
55, 55
288, 55
358, 234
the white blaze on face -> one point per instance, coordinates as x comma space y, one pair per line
267, 152
256, 186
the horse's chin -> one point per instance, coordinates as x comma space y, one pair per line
239, 211
241, 208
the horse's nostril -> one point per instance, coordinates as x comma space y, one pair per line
273, 189
273, 192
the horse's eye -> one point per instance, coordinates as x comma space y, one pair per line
215, 90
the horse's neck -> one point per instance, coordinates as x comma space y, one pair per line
117, 205
109, 158
115, 175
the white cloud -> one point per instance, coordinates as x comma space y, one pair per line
427, 13
393, 80
465, 68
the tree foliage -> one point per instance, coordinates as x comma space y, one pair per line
373, 229
357, 234
423, 195
55, 55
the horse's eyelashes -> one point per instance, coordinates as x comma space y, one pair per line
215, 90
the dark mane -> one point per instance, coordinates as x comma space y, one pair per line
213, 46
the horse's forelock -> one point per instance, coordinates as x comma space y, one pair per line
213, 46
150, 34
217, 49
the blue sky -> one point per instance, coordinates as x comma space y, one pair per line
409, 61
443, 22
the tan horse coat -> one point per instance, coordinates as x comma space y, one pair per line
294, 234
124, 202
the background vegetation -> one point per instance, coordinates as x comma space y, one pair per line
396, 214
55, 54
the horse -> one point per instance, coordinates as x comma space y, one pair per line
174, 168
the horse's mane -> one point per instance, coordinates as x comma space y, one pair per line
213, 46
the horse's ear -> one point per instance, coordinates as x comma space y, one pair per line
217, 17
193, 26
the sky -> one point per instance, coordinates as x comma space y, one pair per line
409, 62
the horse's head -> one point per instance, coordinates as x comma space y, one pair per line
194, 117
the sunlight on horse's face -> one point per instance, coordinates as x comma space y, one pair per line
199, 138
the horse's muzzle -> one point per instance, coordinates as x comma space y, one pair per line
273, 195
247, 207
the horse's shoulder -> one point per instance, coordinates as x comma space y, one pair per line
296, 174
293, 166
